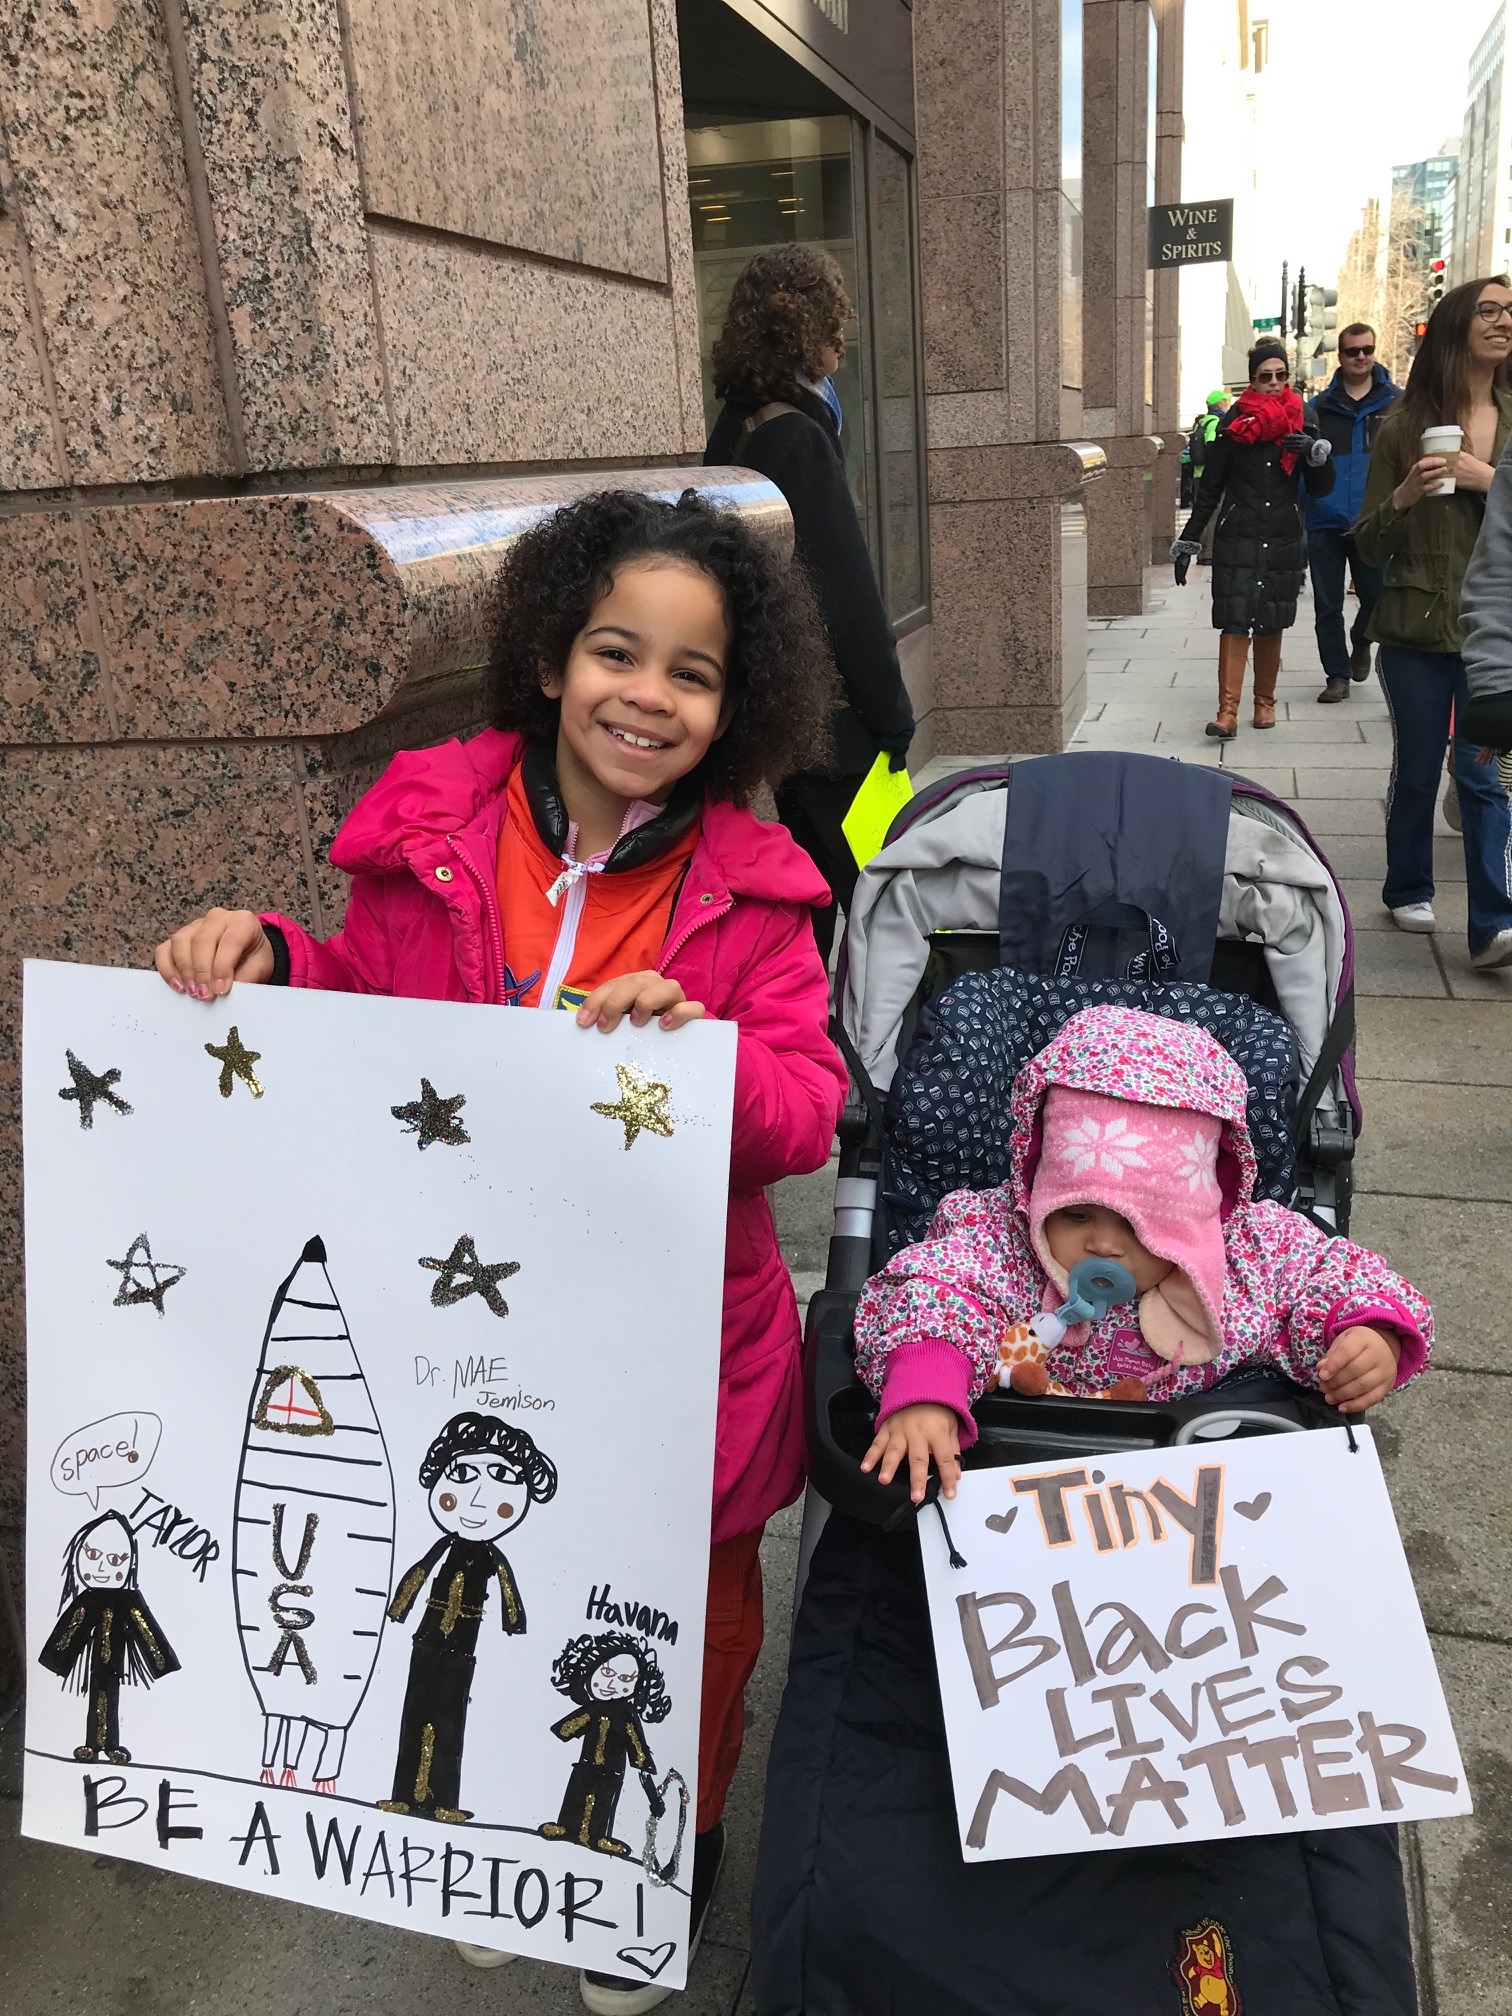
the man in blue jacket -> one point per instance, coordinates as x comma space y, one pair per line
1347, 414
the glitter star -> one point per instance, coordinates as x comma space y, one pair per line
463, 1273
89, 1089
143, 1279
641, 1106
236, 1061
434, 1118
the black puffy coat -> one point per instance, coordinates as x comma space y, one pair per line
800, 452
1259, 556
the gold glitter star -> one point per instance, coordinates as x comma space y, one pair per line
641, 1106
236, 1061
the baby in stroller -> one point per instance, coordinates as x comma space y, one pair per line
1130, 1145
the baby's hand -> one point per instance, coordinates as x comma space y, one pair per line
640, 996
210, 952
918, 1433
1359, 1368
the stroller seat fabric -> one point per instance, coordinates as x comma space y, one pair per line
950, 1107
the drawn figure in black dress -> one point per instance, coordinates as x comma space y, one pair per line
105, 1636
618, 1686
483, 1476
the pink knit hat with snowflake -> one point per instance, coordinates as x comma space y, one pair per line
1157, 1166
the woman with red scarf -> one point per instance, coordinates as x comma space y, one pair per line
1259, 555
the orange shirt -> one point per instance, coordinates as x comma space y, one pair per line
599, 926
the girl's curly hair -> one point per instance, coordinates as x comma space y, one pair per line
787, 307
779, 676
578, 1661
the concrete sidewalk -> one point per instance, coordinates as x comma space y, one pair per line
1434, 1193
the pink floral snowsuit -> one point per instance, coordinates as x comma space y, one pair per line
928, 1327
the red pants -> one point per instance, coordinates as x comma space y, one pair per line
732, 1639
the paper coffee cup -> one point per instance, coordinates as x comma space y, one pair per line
1443, 441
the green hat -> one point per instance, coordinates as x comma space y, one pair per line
1216, 399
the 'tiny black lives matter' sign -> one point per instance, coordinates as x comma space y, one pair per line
1191, 234
1185, 1644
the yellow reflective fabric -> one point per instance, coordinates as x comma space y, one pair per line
883, 794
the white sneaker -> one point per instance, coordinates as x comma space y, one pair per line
1414, 917
1497, 953
484, 1956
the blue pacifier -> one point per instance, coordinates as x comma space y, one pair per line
1096, 1287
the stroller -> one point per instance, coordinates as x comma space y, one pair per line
1006, 899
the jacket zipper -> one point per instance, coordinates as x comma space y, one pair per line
709, 914
566, 940
491, 910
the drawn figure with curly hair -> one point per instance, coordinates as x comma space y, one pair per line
617, 1685
483, 1476
105, 1637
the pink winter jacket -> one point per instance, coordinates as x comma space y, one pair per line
928, 1326
423, 920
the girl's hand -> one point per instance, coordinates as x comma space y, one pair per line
211, 952
1359, 1368
640, 996
919, 1433
1421, 478
1470, 473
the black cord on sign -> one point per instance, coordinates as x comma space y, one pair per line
956, 1560
1354, 1447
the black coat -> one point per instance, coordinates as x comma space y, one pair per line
800, 452
1259, 555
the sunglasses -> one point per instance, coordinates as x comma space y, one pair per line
1357, 350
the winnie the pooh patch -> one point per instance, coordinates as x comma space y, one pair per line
1203, 1970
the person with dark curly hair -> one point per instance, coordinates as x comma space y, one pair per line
594, 851
783, 335
617, 1685
482, 1475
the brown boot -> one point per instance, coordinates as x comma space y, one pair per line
1232, 652
1267, 665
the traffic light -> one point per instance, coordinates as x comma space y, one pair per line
1317, 318
1419, 331
1435, 283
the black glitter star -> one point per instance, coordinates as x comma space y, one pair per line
463, 1273
236, 1061
89, 1089
143, 1279
434, 1118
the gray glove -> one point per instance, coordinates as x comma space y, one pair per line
1312, 448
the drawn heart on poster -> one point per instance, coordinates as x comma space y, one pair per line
1001, 1521
647, 1960
1253, 1508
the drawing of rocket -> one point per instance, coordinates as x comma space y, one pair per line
313, 1538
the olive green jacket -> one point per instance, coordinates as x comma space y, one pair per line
1426, 550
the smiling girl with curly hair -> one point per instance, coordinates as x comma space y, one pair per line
593, 851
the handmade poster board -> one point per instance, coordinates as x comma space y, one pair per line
373, 1351
1213, 1640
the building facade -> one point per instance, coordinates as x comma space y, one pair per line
1482, 230
306, 308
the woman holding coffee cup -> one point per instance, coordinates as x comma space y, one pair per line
1433, 462
1250, 478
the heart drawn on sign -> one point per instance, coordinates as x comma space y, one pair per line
1001, 1521
647, 1960
1252, 1508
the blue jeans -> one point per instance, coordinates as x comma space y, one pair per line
1328, 554
1420, 688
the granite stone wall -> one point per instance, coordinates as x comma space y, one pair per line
1007, 559
241, 237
